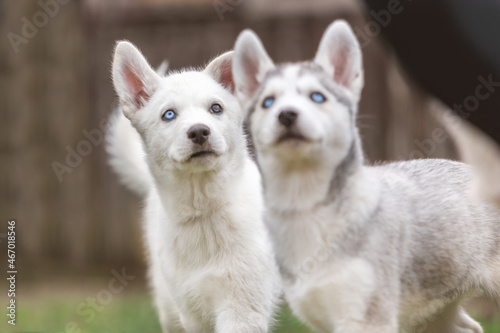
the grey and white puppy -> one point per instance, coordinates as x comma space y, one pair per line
387, 248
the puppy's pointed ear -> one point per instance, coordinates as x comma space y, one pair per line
221, 70
134, 79
340, 55
162, 70
251, 63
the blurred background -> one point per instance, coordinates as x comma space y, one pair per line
76, 227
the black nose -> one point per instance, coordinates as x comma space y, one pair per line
198, 133
287, 117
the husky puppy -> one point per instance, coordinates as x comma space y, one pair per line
387, 248
212, 266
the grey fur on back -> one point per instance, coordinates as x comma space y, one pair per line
433, 202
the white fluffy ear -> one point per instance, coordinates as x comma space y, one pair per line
340, 55
250, 64
134, 79
221, 70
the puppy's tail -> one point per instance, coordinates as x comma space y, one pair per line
479, 150
127, 156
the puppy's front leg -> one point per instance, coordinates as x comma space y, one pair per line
231, 320
348, 298
331, 311
367, 328
375, 314
171, 323
190, 323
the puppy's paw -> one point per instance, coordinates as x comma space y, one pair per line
466, 324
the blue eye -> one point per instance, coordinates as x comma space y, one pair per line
169, 115
318, 97
268, 102
216, 108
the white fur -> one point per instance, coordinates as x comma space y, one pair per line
127, 155
211, 263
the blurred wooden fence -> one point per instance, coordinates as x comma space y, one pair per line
56, 92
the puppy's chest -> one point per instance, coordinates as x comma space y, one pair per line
202, 240
199, 208
201, 265
305, 238
200, 291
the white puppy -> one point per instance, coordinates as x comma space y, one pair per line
381, 249
212, 266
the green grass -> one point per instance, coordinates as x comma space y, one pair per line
492, 326
128, 314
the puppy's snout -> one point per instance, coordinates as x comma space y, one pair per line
198, 133
288, 117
